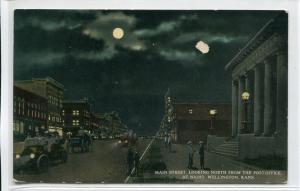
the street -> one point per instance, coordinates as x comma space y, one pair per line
106, 163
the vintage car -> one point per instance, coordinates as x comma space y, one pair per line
128, 138
82, 142
38, 153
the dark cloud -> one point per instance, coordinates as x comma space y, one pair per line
131, 75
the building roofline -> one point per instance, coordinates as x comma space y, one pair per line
51, 80
202, 103
29, 92
47, 79
75, 101
232, 62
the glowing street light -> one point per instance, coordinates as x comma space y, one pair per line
212, 113
245, 97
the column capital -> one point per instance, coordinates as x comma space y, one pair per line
242, 77
266, 62
258, 67
234, 82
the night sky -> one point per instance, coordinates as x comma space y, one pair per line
131, 75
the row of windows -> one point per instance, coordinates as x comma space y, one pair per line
54, 118
54, 100
76, 113
21, 102
30, 112
75, 122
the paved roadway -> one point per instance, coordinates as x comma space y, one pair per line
106, 163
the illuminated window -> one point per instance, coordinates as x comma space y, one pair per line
75, 112
23, 108
75, 122
169, 119
49, 117
190, 111
169, 99
15, 105
19, 108
63, 112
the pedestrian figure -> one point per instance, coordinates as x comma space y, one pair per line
169, 143
166, 141
190, 154
201, 154
136, 162
130, 160
68, 137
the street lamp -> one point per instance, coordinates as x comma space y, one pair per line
245, 98
212, 113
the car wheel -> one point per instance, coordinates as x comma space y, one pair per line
42, 163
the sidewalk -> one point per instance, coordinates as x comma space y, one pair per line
177, 160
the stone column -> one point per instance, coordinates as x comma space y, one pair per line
258, 100
268, 102
240, 103
250, 111
282, 94
234, 105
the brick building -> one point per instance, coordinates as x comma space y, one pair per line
193, 121
76, 115
53, 92
30, 113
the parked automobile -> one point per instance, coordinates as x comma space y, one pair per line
80, 143
94, 136
38, 153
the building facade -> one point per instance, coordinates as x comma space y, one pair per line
30, 114
195, 121
115, 125
260, 68
76, 115
53, 92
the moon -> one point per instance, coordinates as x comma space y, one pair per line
202, 47
118, 33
